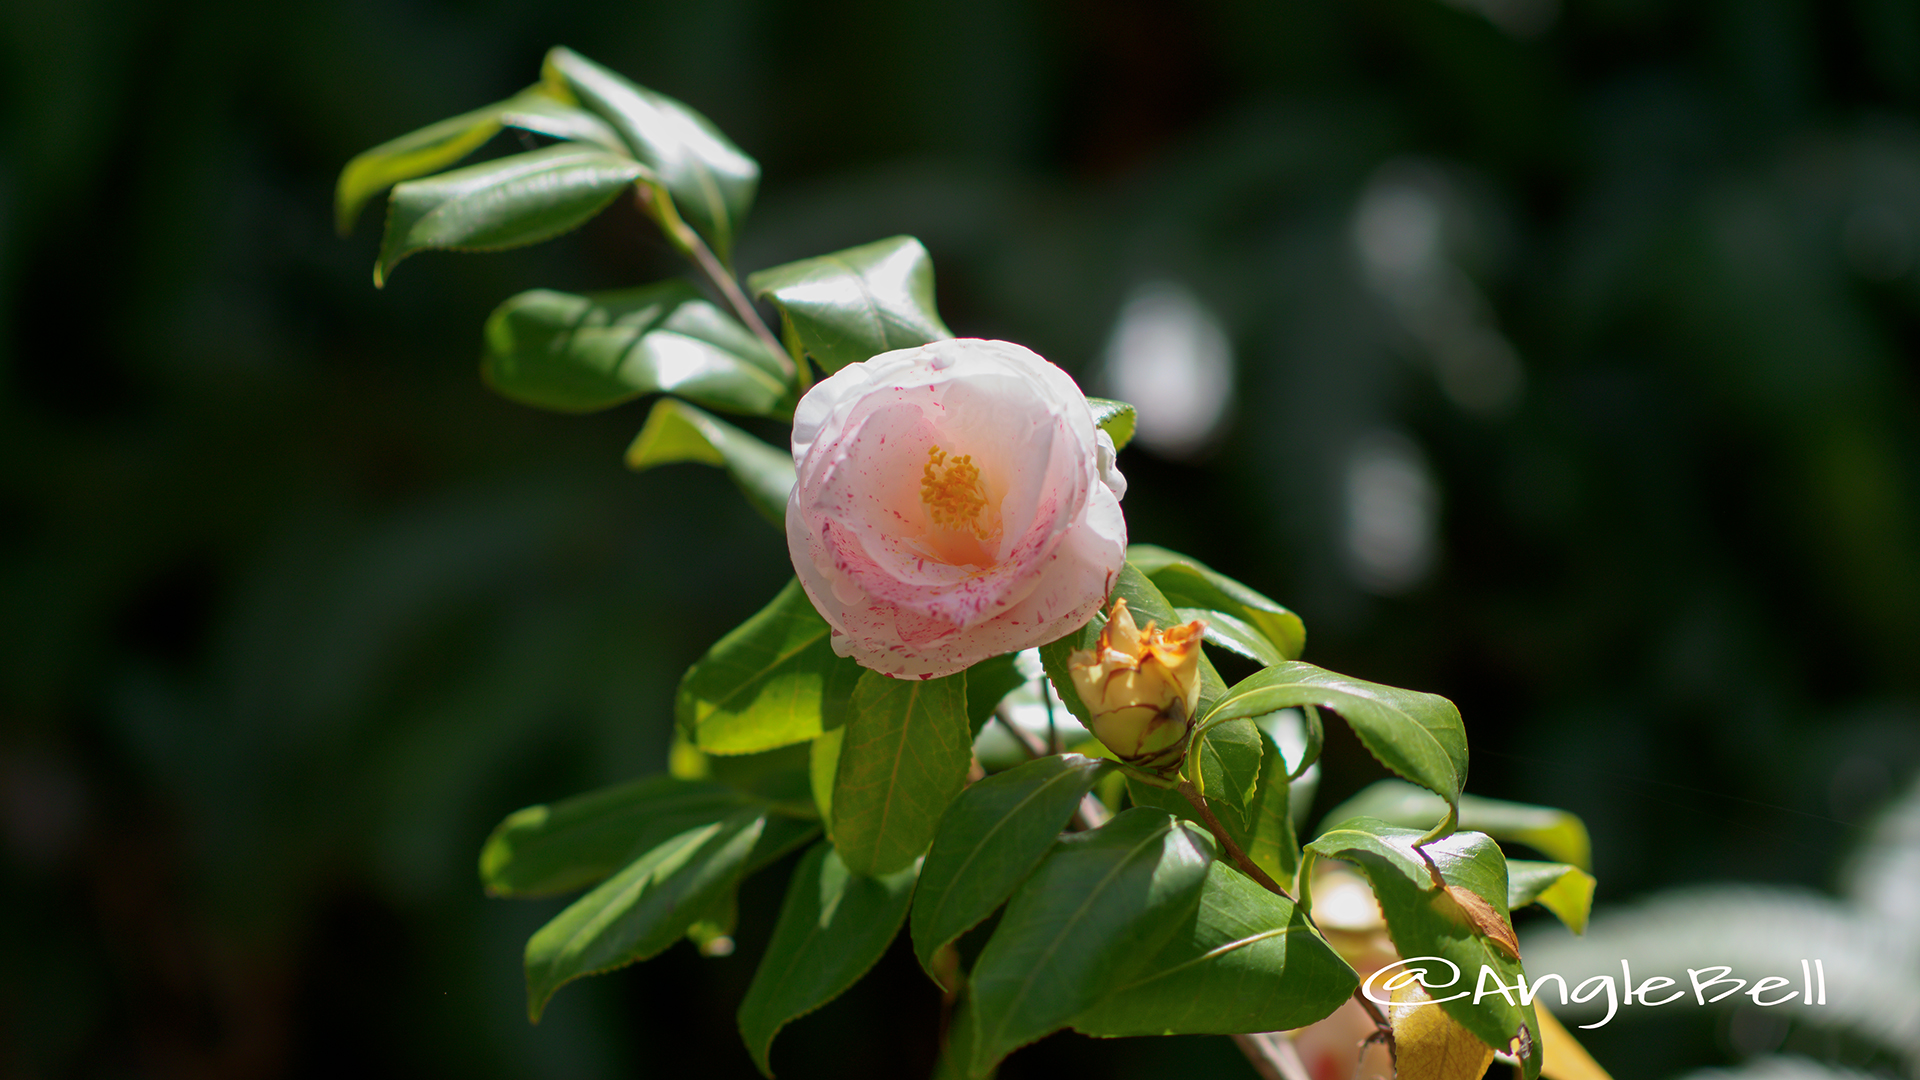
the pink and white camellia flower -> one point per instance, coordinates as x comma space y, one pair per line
954, 502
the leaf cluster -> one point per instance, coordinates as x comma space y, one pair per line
1068, 891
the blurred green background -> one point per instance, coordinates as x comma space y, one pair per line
1574, 377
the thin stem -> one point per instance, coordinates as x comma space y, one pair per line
1273, 1056
1247, 866
1090, 814
660, 208
1029, 743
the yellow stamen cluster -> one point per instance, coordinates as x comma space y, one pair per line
952, 492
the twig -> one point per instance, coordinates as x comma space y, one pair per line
1240, 859
1028, 742
688, 241
1273, 1056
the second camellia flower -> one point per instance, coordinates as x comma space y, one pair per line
953, 502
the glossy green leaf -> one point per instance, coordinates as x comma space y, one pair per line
575, 842
823, 764
1147, 604
1115, 418
1424, 922
1229, 771
771, 681
905, 756
1188, 582
443, 144
833, 926
504, 203
1416, 735
988, 682
1248, 962
712, 182
1567, 891
855, 304
1092, 916
582, 353
644, 908
1265, 833
1555, 833
991, 837
676, 431
1234, 635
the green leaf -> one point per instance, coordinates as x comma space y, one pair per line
778, 776
771, 681
712, 182
644, 908
1146, 603
676, 431
1266, 834
1424, 922
1091, 917
582, 353
855, 304
1229, 772
1187, 582
987, 682
833, 926
1249, 962
991, 837
437, 146
576, 842
823, 764
1416, 735
1233, 635
1115, 418
1567, 891
1555, 833
504, 203
905, 757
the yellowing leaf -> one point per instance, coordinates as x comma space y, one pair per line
1562, 1056
1429, 1044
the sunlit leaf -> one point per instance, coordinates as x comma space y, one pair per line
1554, 833
1426, 921
990, 838
503, 203
1234, 635
1091, 918
440, 145
1567, 891
833, 926
712, 182
1416, 735
855, 304
1428, 1043
676, 431
1116, 418
904, 758
1248, 962
581, 353
770, 682
644, 908
1229, 766
1187, 582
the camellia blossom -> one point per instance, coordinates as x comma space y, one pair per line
953, 502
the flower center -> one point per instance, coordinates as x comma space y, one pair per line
952, 492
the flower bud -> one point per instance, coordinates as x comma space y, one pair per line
1141, 688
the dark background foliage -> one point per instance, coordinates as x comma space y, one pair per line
294, 610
